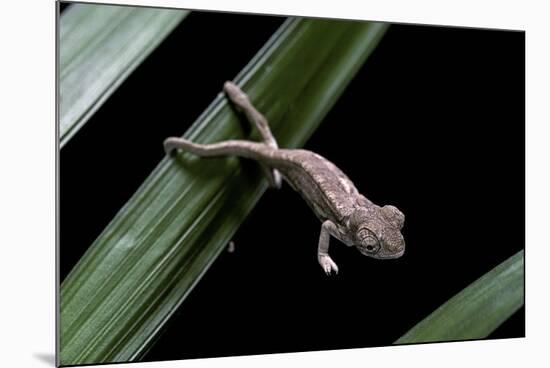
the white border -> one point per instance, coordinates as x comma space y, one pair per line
493, 14
27, 180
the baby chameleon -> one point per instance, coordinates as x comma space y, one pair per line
344, 213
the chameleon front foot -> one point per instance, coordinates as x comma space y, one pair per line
327, 264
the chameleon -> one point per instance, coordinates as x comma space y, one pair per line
345, 214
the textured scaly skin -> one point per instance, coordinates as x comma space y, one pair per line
344, 213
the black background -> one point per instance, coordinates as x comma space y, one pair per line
433, 123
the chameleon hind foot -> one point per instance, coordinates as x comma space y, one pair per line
256, 118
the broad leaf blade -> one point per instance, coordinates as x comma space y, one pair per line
99, 46
155, 250
476, 311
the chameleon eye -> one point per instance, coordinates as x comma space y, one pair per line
368, 242
367, 236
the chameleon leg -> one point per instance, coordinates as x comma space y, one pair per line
324, 259
242, 102
272, 175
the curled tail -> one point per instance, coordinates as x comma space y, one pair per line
256, 151
260, 152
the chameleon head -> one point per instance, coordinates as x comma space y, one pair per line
378, 231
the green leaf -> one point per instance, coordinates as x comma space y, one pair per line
99, 46
155, 250
476, 311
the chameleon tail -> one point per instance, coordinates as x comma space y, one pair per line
260, 152
247, 149
253, 150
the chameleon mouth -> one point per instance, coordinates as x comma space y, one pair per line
390, 255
